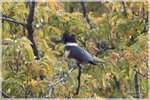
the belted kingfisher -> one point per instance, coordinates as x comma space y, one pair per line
74, 52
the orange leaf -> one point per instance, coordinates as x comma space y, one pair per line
52, 5
60, 5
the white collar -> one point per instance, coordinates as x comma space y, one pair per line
71, 44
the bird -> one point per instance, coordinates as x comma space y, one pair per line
74, 52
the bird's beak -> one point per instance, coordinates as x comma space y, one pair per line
59, 41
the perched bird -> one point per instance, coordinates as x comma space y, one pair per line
74, 52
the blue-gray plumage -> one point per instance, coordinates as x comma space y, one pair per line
78, 53
75, 52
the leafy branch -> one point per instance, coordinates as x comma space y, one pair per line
91, 27
61, 80
27, 25
86, 16
6, 18
30, 29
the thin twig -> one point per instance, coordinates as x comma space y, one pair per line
117, 83
4, 95
124, 9
64, 76
137, 88
13, 21
79, 80
86, 16
145, 30
140, 73
102, 51
83, 43
91, 27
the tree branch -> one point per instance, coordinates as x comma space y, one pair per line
124, 9
4, 95
117, 83
86, 16
146, 76
102, 51
79, 80
31, 30
145, 30
28, 26
91, 27
137, 88
83, 42
13, 21
61, 80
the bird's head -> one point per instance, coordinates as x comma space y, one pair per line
68, 38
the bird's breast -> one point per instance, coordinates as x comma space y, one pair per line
66, 53
71, 56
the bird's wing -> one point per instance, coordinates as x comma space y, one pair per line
81, 54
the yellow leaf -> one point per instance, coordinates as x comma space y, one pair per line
32, 82
45, 43
94, 84
63, 88
103, 83
55, 29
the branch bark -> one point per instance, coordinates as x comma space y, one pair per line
4, 95
86, 16
91, 27
102, 51
79, 80
13, 21
124, 9
117, 83
28, 26
31, 30
137, 88
145, 76
145, 30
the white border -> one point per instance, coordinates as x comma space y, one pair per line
0, 50
74, 1
149, 50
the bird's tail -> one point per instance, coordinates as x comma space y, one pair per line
98, 61
92, 62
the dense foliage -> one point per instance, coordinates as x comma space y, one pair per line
120, 31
